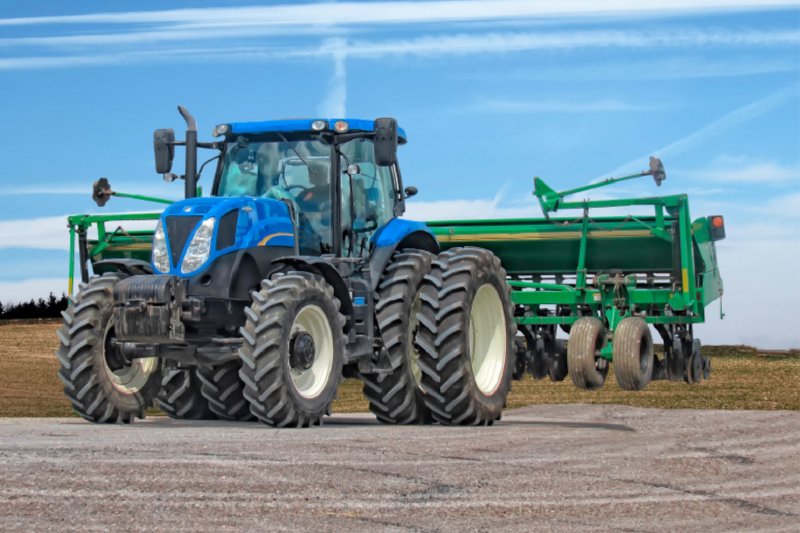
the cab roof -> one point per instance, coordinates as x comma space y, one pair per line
304, 124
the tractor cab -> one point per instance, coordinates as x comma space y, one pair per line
328, 177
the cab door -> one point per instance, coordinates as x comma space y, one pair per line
369, 196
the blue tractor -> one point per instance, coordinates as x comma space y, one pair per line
259, 300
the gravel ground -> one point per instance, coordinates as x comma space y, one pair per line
545, 468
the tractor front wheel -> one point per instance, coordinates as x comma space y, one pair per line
292, 354
102, 386
224, 391
180, 396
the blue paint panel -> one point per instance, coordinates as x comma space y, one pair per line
396, 229
305, 125
260, 220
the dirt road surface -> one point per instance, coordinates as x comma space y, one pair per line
542, 468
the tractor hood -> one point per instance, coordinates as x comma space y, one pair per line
238, 223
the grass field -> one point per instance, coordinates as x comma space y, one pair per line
741, 378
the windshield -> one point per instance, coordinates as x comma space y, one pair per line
256, 168
298, 171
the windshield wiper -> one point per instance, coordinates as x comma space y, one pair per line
296, 153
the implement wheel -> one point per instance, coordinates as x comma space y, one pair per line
180, 396
586, 368
466, 337
102, 386
293, 347
396, 398
633, 354
224, 391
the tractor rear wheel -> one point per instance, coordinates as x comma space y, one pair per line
102, 386
586, 368
466, 337
224, 391
180, 396
633, 354
292, 354
396, 397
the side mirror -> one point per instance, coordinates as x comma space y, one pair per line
164, 151
411, 191
385, 141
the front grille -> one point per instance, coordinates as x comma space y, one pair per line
179, 229
226, 233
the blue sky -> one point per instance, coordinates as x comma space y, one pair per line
491, 93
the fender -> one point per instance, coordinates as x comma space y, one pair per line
131, 267
326, 269
397, 235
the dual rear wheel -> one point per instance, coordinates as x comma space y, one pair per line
466, 338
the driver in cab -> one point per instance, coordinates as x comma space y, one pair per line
318, 196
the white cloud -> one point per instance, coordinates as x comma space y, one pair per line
715, 128
782, 208
23, 291
427, 46
681, 67
350, 13
729, 169
171, 194
755, 314
555, 106
52, 233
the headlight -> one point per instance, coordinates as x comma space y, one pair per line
160, 252
220, 130
198, 250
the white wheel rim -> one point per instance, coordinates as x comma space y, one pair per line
411, 349
487, 339
312, 320
129, 379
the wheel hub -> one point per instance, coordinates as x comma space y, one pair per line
302, 351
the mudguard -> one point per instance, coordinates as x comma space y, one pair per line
324, 268
398, 234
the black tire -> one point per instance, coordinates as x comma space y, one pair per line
587, 337
633, 354
224, 391
396, 398
521, 357
88, 359
266, 368
449, 295
695, 365
558, 366
180, 396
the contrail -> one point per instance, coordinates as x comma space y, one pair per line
721, 125
335, 103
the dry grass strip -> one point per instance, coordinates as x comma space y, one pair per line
741, 378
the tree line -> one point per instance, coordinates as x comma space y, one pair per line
49, 307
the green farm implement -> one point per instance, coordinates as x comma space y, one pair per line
299, 271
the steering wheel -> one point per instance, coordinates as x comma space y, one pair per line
290, 187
